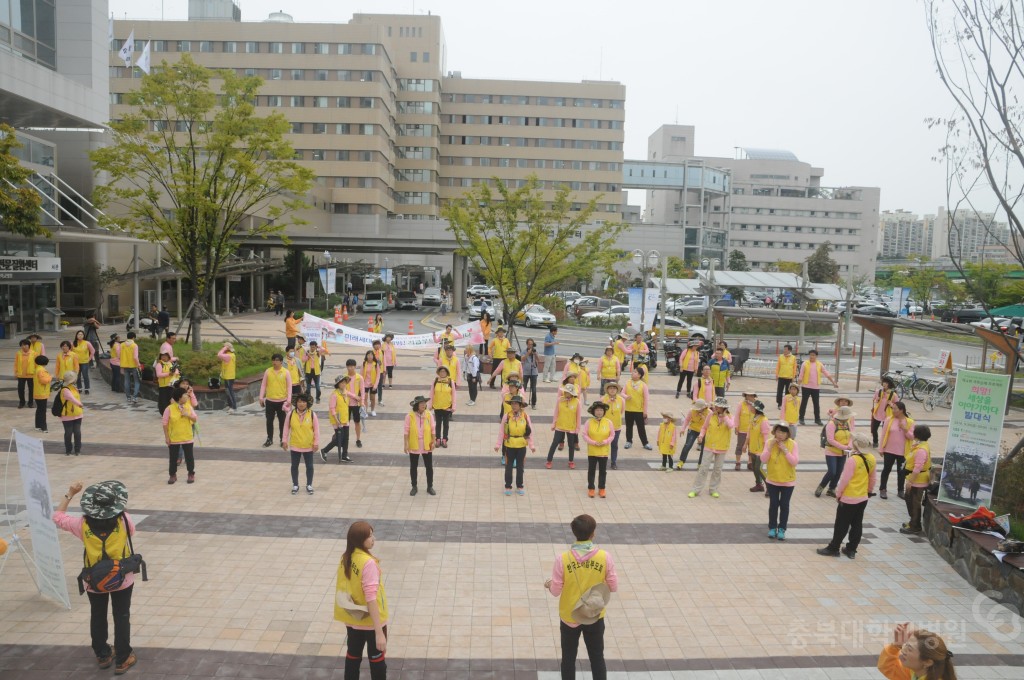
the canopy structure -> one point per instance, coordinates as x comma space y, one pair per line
1009, 310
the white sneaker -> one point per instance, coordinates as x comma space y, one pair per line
373, 413
471, 403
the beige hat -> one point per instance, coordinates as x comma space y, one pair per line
699, 405
590, 605
844, 413
666, 414
861, 440
749, 394
849, 402
69, 377
570, 388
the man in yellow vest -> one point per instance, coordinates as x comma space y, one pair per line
785, 372
130, 369
583, 579
856, 485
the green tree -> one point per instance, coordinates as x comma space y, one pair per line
821, 268
525, 246
19, 206
788, 267
677, 269
920, 280
193, 168
100, 278
984, 281
738, 261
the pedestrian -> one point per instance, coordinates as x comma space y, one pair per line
550, 353
785, 372
565, 422
390, 357
856, 486
760, 432
293, 364
371, 371
916, 655
38, 348
640, 355
498, 351
450, 360
24, 369
71, 414
228, 367
531, 369
789, 413
179, 420
975, 487
378, 324
897, 436
443, 398
91, 327
361, 604
275, 391
918, 467
471, 369
338, 409
704, 386
515, 433
168, 345
85, 352
41, 380
811, 373
721, 372
291, 328
881, 406
838, 435
301, 438
105, 529
667, 437
356, 395
130, 369
692, 425
637, 397
313, 369
608, 368
378, 354
166, 373
446, 338
780, 457
67, 360
486, 322
509, 365
620, 348
717, 431
511, 389
744, 416
616, 408
418, 442
583, 579
688, 364
598, 433
116, 382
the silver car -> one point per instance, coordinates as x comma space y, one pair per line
432, 297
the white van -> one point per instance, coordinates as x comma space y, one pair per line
375, 301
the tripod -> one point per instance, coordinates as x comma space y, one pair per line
197, 305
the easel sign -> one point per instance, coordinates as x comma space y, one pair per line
945, 362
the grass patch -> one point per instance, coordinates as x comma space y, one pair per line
199, 367
940, 335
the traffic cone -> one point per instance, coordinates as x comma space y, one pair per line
757, 350
410, 327
853, 354
369, 324
344, 312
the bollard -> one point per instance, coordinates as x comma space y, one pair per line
815, 345
410, 327
757, 349
873, 350
853, 354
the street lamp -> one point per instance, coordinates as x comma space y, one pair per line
709, 264
646, 261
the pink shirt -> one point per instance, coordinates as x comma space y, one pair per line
370, 581
165, 347
890, 397
830, 437
920, 456
115, 354
389, 354
793, 457
73, 525
287, 390
813, 379
611, 578
899, 434
704, 390
501, 430
66, 395
316, 431
851, 464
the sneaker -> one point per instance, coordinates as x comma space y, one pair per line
781, 535
602, 493
757, 488
548, 465
714, 494
431, 491
590, 492
572, 465
412, 492
379, 403
346, 459
802, 423
666, 469
628, 445
899, 493
122, 668
503, 460
648, 447
679, 465
269, 442
677, 395
508, 492
883, 494
471, 403
534, 407
827, 552
323, 454
172, 479
909, 531
615, 466
437, 443
309, 489
692, 494
852, 554
359, 443
373, 413
444, 443
191, 478
831, 492
819, 491
295, 490
521, 492
106, 661
818, 422
737, 465
86, 392
771, 533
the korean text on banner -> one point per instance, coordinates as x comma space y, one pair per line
649, 308
328, 331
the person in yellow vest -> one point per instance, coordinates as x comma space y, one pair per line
704, 386
916, 655
577, 366
443, 398
104, 526
301, 438
497, 350
378, 324
450, 360
744, 416
337, 405
812, 376
293, 364
85, 352
485, 331
71, 414
609, 368
166, 374
371, 373
38, 348
881, 406
688, 364
418, 442
507, 367
179, 421
565, 422
620, 349
760, 432
897, 436
856, 486
275, 390
583, 579
130, 366
67, 360
598, 433
24, 369
693, 423
114, 345
639, 352
780, 456
514, 434
446, 338
390, 357
616, 413
313, 368
378, 354
723, 347
716, 435
228, 368
361, 604
356, 394
785, 372
41, 380
511, 389
838, 434
637, 398
789, 413
668, 435
918, 467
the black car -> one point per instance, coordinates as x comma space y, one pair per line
406, 299
968, 315
875, 310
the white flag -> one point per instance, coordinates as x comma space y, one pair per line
143, 61
127, 50
110, 31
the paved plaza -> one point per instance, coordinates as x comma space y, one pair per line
242, 573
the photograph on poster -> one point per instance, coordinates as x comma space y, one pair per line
967, 477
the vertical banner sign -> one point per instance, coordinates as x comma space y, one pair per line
310, 290
39, 506
634, 308
332, 281
972, 448
649, 307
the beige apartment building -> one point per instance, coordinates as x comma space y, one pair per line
903, 234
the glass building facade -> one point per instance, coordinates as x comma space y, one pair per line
28, 28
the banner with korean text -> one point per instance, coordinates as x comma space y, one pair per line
972, 447
313, 327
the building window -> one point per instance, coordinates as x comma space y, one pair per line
318, 154
321, 74
230, 47
341, 156
295, 102
320, 102
274, 101
276, 48
275, 74
412, 57
369, 49
252, 47
184, 45
298, 48
426, 57
297, 74
206, 46
366, 102
344, 102
341, 129
344, 75
344, 48
249, 72
296, 128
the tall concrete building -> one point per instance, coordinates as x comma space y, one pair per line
971, 236
903, 234
779, 210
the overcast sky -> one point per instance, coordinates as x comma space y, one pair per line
845, 86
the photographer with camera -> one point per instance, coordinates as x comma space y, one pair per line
166, 374
856, 486
531, 371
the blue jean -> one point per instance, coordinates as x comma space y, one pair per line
314, 379
615, 446
778, 505
83, 377
834, 472
132, 382
229, 392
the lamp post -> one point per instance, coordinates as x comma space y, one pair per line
327, 292
645, 262
709, 264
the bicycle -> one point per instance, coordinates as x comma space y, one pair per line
940, 394
913, 384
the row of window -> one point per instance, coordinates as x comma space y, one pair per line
523, 100
407, 175
796, 213
539, 142
539, 163
552, 185
806, 230
787, 246
533, 121
255, 47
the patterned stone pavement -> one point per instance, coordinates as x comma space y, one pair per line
242, 573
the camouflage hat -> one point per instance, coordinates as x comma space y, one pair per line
597, 405
104, 500
517, 399
417, 401
758, 406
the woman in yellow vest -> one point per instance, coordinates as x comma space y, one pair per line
104, 526
443, 397
598, 433
616, 413
716, 436
378, 354
313, 369
301, 438
744, 416
38, 348
165, 375
24, 368
485, 332
693, 424
450, 360
390, 357
85, 352
756, 440
565, 422
688, 364
67, 360
780, 457
897, 436
514, 434
361, 604
918, 467
637, 397
498, 350
114, 345
704, 386
337, 406
856, 485
511, 365
71, 414
609, 368
275, 389
378, 324
41, 380
418, 441
371, 373
668, 434
838, 434
179, 432
228, 367
881, 406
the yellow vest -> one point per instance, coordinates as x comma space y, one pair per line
179, 427
70, 408
277, 385
293, 367
578, 578
165, 381
354, 586
511, 366
418, 440
745, 416
805, 376
566, 419
790, 408
66, 362
300, 430
887, 432
619, 352
858, 485
779, 469
665, 432
370, 372
24, 364
442, 394
128, 354
719, 434
599, 430
506, 405
842, 436
755, 440
81, 350
609, 367
515, 431
340, 418
615, 408
41, 384
452, 365
499, 347
36, 348
697, 419
635, 397
227, 368
312, 363
924, 476
787, 366
881, 394
116, 546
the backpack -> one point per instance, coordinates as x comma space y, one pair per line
58, 402
981, 519
824, 437
108, 574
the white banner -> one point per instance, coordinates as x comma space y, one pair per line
313, 327
38, 501
650, 308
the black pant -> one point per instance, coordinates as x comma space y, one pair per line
595, 463
901, 474
190, 459
73, 430
782, 386
875, 424
514, 458
41, 413
635, 418
691, 438
593, 638
849, 518
307, 457
291, 344
340, 439
357, 639
688, 377
25, 386
443, 417
115, 379
574, 443
428, 465
473, 382
530, 383
272, 409
163, 398
812, 394
121, 603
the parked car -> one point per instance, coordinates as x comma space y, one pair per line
432, 297
677, 328
967, 315
406, 299
1001, 324
875, 310
374, 301
585, 305
477, 289
535, 315
567, 295
479, 306
688, 307
613, 314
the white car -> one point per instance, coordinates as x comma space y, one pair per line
1001, 324
535, 315
611, 315
477, 289
432, 296
477, 309
693, 306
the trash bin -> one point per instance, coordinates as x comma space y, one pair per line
3, 331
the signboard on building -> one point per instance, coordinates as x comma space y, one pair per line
18, 268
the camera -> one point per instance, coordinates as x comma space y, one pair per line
176, 366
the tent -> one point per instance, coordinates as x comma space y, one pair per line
1009, 310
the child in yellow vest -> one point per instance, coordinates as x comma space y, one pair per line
856, 486
598, 433
41, 380
780, 457
566, 422
693, 424
717, 433
667, 436
301, 438
443, 397
337, 405
744, 415
418, 440
790, 411
757, 439
838, 434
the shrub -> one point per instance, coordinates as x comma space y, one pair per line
199, 367
1007, 497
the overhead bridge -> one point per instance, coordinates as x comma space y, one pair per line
689, 174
